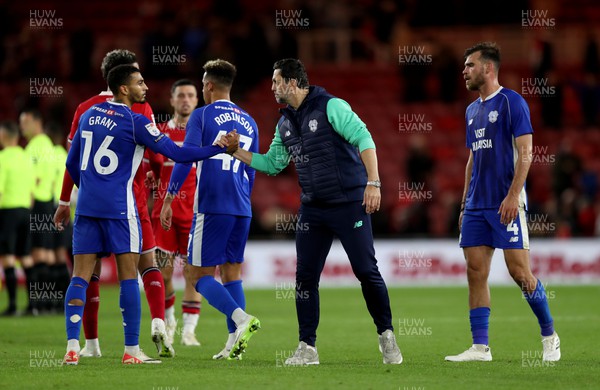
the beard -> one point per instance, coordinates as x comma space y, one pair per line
281, 100
139, 99
475, 83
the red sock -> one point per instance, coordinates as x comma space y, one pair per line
190, 307
170, 301
154, 287
90, 310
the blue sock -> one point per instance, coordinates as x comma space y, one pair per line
131, 309
237, 293
73, 314
216, 295
480, 323
539, 304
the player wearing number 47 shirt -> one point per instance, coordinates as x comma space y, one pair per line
222, 209
104, 158
494, 204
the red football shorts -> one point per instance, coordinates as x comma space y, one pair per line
175, 240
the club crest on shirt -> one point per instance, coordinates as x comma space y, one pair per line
312, 125
493, 116
152, 129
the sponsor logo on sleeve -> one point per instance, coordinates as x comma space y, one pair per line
152, 129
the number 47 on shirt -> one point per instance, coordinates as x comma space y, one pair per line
245, 143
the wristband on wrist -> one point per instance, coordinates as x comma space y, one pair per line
63, 203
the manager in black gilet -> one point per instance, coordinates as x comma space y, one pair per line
335, 158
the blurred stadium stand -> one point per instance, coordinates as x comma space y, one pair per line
351, 49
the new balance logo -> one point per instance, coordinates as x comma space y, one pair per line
514, 239
357, 224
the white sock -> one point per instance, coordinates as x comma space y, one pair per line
132, 349
73, 345
238, 316
92, 343
170, 314
190, 321
230, 340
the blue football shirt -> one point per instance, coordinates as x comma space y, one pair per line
224, 184
492, 127
106, 153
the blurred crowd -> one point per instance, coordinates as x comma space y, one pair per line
246, 33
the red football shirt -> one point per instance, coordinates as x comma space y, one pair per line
183, 203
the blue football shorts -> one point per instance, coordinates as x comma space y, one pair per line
482, 227
216, 239
105, 236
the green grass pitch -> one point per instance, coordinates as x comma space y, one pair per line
429, 324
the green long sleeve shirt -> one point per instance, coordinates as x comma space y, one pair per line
343, 120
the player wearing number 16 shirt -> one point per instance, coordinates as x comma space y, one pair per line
104, 158
222, 211
154, 286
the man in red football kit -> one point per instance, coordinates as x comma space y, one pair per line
151, 276
173, 243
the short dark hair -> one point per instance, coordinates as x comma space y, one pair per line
292, 68
489, 52
220, 72
115, 58
11, 128
181, 82
120, 75
34, 112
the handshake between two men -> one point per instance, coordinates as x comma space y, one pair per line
231, 141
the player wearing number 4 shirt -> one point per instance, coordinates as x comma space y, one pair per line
104, 158
222, 209
494, 204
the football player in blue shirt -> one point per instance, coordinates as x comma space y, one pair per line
222, 211
104, 157
494, 203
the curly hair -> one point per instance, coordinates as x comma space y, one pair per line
114, 58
